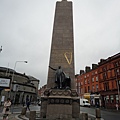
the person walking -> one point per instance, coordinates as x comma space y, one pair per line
6, 109
28, 104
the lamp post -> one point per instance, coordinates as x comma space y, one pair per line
13, 76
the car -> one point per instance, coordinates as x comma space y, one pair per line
84, 102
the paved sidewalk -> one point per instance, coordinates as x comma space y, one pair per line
10, 117
18, 116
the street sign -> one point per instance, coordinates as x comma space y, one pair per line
4, 82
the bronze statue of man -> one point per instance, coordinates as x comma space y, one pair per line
59, 76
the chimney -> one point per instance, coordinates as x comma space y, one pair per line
87, 69
94, 66
81, 72
102, 60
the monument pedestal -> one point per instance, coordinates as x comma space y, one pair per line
60, 104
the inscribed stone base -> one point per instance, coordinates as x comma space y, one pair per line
59, 111
60, 104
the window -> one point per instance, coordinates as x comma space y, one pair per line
117, 64
106, 86
117, 99
96, 87
117, 72
76, 84
81, 83
85, 81
96, 79
104, 76
111, 98
88, 81
107, 99
104, 69
92, 79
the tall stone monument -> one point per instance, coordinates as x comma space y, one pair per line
60, 100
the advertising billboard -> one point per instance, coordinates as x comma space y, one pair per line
4, 82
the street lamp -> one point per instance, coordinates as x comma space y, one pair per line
13, 76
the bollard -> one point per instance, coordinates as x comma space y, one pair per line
98, 113
84, 116
23, 112
32, 115
117, 106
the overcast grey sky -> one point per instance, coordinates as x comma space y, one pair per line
26, 31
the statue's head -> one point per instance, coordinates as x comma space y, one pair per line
59, 67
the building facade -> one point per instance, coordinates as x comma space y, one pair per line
109, 81
101, 83
41, 90
87, 84
19, 88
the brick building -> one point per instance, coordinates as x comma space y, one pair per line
87, 84
109, 81
41, 90
101, 83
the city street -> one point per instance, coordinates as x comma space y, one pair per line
106, 115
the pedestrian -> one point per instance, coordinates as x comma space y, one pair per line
97, 105
6, 109
28, 104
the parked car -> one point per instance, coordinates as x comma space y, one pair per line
84, 102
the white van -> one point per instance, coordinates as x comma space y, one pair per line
84, 102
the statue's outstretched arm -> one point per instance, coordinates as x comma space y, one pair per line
52, 68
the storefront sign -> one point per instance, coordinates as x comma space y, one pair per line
4, 82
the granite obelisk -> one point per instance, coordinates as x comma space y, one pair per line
62, 48
60, 100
